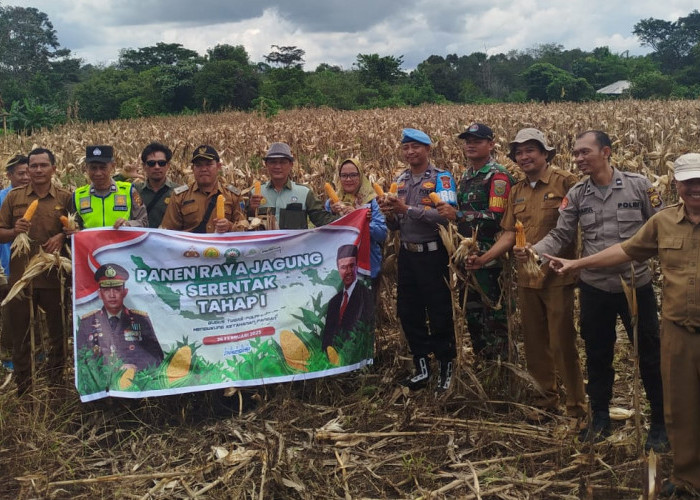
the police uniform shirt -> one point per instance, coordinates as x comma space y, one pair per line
538, 210
157, 211
420, 223
45, 224
137, 217
606, 219
189, 204
676, 240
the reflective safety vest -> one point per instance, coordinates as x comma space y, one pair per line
96, 211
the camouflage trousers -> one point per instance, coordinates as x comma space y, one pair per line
488, 327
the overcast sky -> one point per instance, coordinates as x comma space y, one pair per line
335, 31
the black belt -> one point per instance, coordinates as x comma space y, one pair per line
691, 329
428, 246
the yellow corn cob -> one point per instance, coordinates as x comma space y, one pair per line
220, 207
520, 240
435, 198
332, 195
394, 188
30, 210
179, 365
378, 189
64, 221
127, 379
256, 188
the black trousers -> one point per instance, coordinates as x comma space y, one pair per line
423, 294
599, 311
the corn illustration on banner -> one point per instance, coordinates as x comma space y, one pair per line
159, 312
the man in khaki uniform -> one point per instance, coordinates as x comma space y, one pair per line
546, 301
193, 208
674, 235
46, 232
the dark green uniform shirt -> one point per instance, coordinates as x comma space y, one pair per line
155, 201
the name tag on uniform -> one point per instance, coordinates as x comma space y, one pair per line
120, 202
85, 206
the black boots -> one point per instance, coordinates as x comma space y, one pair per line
422, 374
445, 377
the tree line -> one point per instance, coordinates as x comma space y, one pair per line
42, 84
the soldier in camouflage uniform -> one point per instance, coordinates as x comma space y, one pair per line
482, 195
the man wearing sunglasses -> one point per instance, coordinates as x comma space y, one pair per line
105, 202
157, 190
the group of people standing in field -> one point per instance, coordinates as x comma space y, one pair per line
619, 215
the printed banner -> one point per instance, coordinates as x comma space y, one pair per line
161, 312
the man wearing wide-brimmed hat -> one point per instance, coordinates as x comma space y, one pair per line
546, 300
673, 236
610, 206
292, 204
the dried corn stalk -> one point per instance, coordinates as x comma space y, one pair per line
530, 267
40, 263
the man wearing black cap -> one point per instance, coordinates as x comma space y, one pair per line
422, 291
192, 208
292, 204
105, 202
115, 331
45, 233
482, 195
353, 304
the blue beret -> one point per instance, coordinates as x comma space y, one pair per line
413, 135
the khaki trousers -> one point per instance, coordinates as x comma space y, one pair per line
547, 317
680, 373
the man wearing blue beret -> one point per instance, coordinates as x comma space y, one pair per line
423, 293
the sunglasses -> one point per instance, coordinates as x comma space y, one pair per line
152, 163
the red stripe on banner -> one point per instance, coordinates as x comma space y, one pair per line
85, 244
236, 337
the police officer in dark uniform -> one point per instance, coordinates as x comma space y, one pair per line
115, 330
422, 263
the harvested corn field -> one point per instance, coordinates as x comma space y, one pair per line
357, 435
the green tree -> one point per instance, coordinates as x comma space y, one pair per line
375, 70
225, 84
226, 52
652, 85
287, 57
538, 77
160, 54
101, 95
672, 42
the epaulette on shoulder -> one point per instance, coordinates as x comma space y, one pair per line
673, 205
138, 312
234, 189
634, 175
91, 313
180, 189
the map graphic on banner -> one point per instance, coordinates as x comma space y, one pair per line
161, 312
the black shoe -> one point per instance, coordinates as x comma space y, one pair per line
598, 429
672, 490
657, 439
422, 374
445, 377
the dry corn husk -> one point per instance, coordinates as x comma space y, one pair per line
20, 245
37, 265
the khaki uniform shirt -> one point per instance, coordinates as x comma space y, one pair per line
676, 240
188, 206
45, 224
156, 212
606, 218
538, 210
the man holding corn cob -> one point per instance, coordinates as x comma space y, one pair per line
292, 204
672, 234
105, 202
610, 206
35, 210
192, 208
422, 290
546, 300
482, 195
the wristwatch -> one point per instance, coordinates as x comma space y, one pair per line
460, 215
